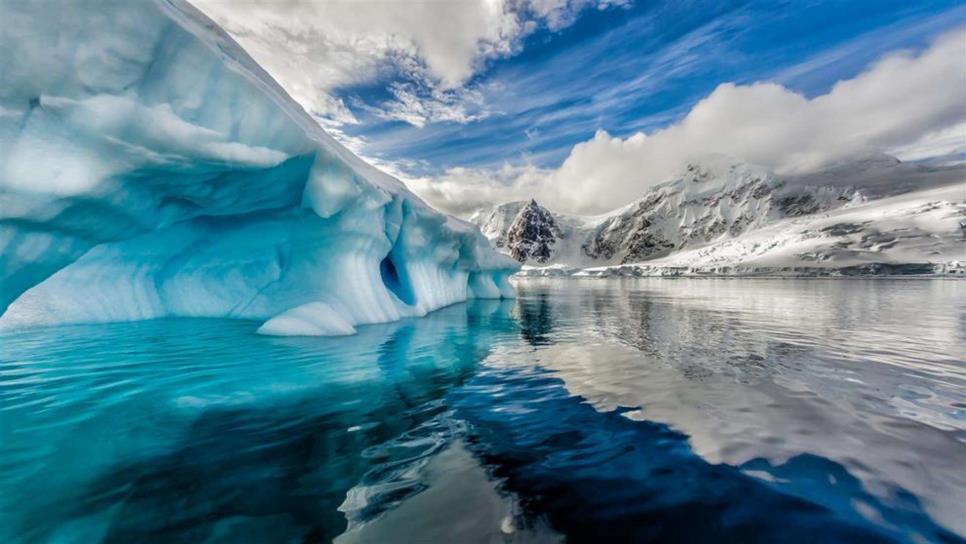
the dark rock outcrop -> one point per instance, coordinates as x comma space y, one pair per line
533, 234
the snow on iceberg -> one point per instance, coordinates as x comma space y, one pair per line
149, 168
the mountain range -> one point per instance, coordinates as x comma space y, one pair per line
870, 215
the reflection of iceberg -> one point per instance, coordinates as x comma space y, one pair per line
148, 168
203, 441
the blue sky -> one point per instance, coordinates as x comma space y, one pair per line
641, 68
587, 103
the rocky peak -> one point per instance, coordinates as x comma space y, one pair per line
533, 234
712, 198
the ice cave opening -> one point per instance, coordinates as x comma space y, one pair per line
396, 283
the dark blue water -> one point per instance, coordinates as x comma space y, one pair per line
603, 411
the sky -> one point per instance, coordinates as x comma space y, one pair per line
584, 104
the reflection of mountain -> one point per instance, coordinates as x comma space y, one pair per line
758, 368
602, 477
536, 320
872, 215
637, 410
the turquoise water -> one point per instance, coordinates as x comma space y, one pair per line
599, 410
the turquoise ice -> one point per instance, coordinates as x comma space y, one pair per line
149, 168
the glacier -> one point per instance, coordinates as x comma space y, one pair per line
150, 168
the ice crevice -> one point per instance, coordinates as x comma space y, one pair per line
149, 168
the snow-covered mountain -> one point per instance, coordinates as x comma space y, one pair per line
717, 203
526, 231
533, 234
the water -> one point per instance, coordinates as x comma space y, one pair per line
600, 410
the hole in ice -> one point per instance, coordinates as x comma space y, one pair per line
394, 282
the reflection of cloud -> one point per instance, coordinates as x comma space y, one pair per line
756, 369
599, 476
460, 503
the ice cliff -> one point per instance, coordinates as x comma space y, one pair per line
149, 168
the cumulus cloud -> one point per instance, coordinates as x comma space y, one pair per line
901, 99
313, 48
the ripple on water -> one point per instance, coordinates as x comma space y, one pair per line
637, 410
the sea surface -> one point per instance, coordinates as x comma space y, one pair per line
648, 410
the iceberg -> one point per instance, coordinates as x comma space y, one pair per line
150, 168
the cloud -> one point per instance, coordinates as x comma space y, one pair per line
898, 101
461, 191
562, 13
314, 48
419, 105
946, 145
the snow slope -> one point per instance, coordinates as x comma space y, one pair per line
149, 168
922, 232
686, 223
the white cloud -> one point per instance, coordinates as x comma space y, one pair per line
460, 190
562, 13
898, 101
419, 105
312, 48
946, 144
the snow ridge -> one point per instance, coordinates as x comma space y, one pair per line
720, 216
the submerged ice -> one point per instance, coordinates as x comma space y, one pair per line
149, 168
